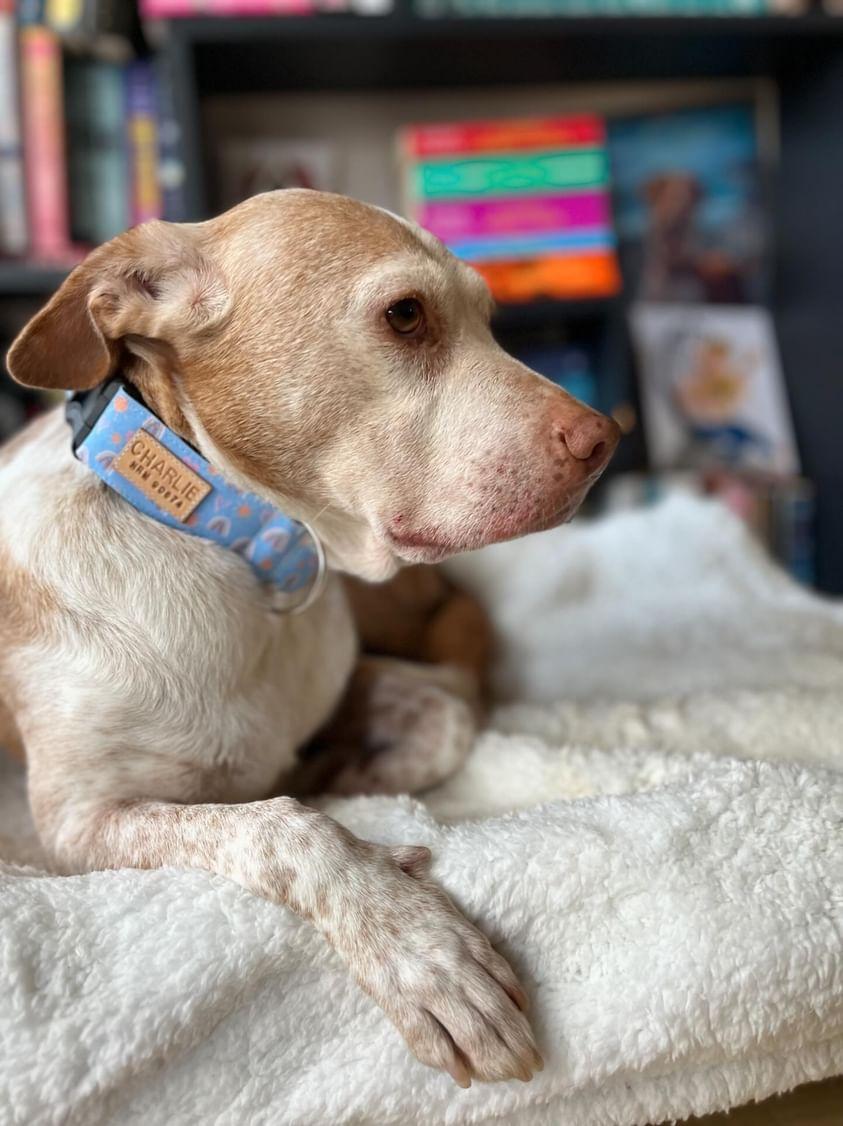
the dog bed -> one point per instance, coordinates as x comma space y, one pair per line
674, 904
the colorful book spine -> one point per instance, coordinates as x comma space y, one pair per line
30, 12
142, 141
519, 216
794, 505
43, 134
109, 160
569, 277
533, 246
97, 159
508, 9
65, 17
504, 136
526, 202
13, 233
510, 174
181, 9
171, 171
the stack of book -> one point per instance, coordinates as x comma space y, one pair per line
88, 145
526, 202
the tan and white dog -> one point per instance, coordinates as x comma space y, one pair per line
337, 361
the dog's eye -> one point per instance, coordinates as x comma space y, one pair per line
406, 317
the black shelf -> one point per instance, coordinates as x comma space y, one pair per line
403, 23
28, 279
803, 55
355, 52
512, 317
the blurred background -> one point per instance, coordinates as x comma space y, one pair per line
652, 189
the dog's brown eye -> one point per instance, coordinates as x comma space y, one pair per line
406, 317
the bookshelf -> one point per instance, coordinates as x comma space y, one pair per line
400, 50
27, 279
803, 55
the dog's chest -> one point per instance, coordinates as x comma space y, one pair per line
160, 642
289, 682
244, 687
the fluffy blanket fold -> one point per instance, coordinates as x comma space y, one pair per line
677, 919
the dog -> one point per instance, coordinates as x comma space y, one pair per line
336, 362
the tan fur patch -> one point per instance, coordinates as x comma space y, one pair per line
25, 610
10, 739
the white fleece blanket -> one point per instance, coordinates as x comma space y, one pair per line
677, 918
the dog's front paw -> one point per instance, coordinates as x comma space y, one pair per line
454, 999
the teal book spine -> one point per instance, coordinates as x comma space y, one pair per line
109, 161
510, 174
99, 206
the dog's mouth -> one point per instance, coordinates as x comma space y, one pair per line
435, 545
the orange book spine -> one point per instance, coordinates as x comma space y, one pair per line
569, 277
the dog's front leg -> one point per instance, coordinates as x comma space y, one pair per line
455, 1000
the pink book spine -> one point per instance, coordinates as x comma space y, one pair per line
178, 9
43, 133
530, 214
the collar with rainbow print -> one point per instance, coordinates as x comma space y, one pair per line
118, 437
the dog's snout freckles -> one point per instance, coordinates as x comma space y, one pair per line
528, 471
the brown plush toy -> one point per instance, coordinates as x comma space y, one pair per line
421, 616
426, 629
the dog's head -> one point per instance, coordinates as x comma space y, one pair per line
336, 360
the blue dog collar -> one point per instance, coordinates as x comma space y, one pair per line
158, 473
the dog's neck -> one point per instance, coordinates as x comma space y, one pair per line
349, 544
120, 438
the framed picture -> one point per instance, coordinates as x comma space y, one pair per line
263, 164
712, 392
687, 188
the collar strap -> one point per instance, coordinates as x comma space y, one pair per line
117, 436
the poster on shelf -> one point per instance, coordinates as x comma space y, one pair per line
687, 193
251, 165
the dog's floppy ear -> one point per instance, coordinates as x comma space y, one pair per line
152, 283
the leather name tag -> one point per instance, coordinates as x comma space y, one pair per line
160, 475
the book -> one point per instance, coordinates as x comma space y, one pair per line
142, 142
688, 211
13, 232
178, 9
42, 115
508, 9
65, 17
171, 171
97, 153
556, 217
525, 201
570, 367
30, 12
711, 389
507, 135
503, 175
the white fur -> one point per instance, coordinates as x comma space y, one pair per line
161, 634
160, 699
676, 912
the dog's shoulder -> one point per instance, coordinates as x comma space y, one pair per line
101, 603
28, 466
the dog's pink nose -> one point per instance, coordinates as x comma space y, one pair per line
590, 436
